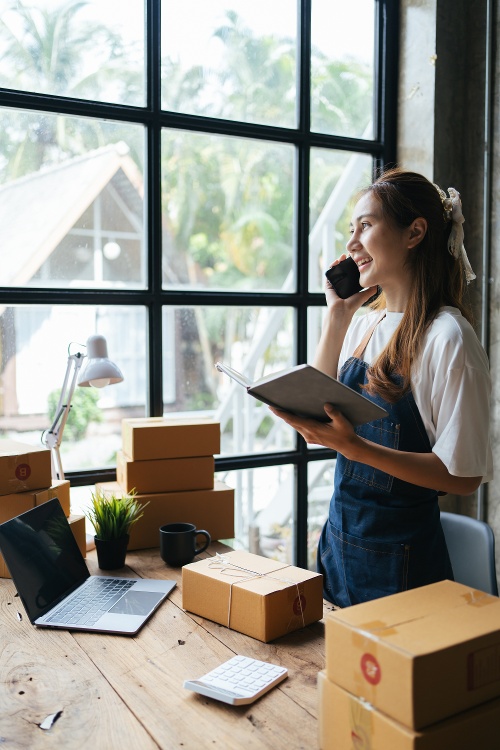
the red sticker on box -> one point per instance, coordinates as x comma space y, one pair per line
371, 669
23, 472
299, 604
359, 739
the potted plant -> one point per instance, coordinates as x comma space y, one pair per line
112, 516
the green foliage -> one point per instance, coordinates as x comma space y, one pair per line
341, 95
265, 426
200, 402
45, 51
112, 516
84, 410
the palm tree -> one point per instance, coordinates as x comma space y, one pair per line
47, 51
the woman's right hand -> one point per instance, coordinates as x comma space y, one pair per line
335, 324
346, 307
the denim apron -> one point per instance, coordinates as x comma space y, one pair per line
382, 535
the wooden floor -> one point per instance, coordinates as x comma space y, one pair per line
120, 692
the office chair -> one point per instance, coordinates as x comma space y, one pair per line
471, 545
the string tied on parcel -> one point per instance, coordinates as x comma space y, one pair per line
228, 568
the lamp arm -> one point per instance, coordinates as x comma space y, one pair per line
53, 436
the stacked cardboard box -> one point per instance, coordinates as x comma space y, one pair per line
419, 670
170, 464
25, 481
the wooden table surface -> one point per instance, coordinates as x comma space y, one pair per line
122, 692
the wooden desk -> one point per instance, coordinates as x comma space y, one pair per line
121, 692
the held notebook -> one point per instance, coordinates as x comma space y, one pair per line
55, 586
303, 390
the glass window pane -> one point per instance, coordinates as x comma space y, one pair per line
88, 50
253, 341
263, 513
342, 67
335, 178
36, 343
237, 60
228, 212
315, 317
71, 201
320, 489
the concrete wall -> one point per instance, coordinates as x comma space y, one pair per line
493, 509
441, 133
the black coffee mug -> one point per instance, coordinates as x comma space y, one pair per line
178, 543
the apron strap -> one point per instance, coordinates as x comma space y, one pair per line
357, 353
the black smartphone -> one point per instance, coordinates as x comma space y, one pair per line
344, 277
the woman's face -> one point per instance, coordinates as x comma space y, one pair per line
379, 249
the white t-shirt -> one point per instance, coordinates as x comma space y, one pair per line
450, 383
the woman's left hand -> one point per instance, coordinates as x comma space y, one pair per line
338, 434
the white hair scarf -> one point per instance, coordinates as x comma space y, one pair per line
453, 211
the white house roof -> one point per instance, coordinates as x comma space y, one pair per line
39, 209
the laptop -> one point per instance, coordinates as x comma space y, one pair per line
55, 586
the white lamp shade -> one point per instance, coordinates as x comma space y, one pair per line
99, 370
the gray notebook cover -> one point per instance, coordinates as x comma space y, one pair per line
304, 390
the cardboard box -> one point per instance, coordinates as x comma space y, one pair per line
157, 437
10, 507
418, 656
252, 594
13, 505
23, 467
165, 474
18, 502
346, 722
212, 510
59, 488
77, 525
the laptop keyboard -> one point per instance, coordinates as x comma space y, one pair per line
88, 605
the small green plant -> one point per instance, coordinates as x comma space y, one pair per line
112, 516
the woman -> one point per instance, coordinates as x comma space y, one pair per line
416, 354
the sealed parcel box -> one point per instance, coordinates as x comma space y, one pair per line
165, 474
212, 510
77, 526
252, 594
17, 502
59, 488
23, 467
418, 656
346, 722
158, 437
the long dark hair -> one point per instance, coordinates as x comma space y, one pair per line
438, 277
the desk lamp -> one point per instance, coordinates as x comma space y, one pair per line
98, 372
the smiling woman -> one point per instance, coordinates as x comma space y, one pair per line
417, 356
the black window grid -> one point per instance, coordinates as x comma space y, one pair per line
154, 298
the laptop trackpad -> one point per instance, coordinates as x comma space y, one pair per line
137, 603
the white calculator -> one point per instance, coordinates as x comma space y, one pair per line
239, 681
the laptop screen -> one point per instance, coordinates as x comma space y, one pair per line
43, 557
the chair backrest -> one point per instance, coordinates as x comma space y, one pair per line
471, 545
